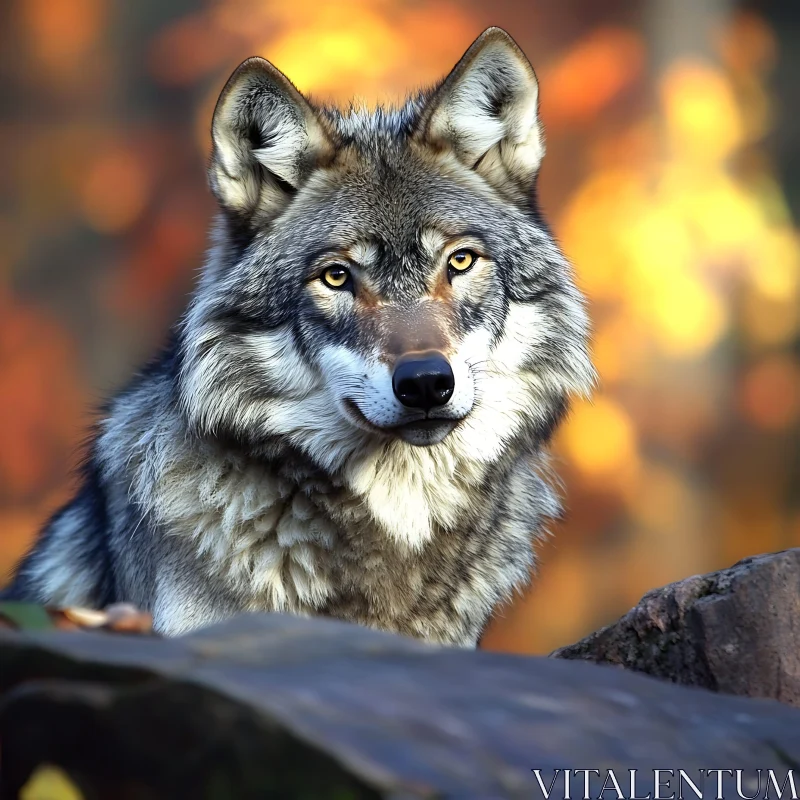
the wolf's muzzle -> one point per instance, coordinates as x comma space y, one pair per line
423, 380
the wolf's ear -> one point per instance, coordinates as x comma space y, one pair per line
487, 113
266, 139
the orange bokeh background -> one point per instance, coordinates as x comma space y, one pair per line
659, 182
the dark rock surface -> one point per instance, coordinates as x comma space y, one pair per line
275, 706
735, 631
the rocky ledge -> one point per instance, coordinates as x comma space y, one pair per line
735, 631
271, 706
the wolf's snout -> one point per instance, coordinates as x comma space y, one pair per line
424, 380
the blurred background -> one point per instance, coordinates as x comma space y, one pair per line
672, 180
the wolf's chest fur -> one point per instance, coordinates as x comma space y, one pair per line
279, 538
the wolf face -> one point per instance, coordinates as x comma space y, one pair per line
391, 300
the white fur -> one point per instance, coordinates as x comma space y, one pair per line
407, 490
290, 141
282, 368
253, 528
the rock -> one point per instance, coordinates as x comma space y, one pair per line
276, 706
735, 631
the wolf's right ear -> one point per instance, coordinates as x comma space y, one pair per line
266, 139
486, 113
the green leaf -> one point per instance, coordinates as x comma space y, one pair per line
26, 616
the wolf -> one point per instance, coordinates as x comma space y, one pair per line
351, 417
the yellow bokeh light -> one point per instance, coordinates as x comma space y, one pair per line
776, 265
688, 317
723, 215
702, 116
371, 49
590, 229
599, 437
320, 58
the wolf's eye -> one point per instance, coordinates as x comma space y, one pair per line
336, 277
460, 261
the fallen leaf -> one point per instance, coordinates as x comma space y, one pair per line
50, 783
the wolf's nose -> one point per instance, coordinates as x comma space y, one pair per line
424, 380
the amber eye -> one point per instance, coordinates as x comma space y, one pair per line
336, 277
460, 261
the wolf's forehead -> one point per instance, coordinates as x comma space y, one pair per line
372, 126
386, 204
368, 252
392, 194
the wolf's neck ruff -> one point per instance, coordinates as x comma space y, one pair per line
280, 534
351, 415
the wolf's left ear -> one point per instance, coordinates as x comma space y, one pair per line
487, 113
266, 139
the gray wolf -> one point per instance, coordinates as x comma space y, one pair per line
351, 417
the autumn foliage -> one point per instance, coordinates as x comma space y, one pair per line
657, 182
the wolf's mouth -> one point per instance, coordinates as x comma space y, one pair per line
425, 431
419, 432
423, 425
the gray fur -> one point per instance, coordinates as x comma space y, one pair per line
256, 464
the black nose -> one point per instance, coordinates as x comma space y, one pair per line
423, 381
